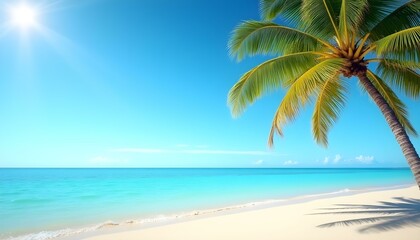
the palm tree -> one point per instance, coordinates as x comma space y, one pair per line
322, 45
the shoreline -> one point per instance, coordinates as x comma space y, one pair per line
320, 218
110, 227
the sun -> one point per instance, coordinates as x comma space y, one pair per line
23, 16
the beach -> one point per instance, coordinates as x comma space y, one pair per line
90, 202
209, 120
385, 214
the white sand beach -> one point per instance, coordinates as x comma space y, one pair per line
385, 215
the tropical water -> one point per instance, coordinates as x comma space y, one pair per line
43, 203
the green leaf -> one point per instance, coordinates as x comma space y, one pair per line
393, 101
301, 91
270, 75
320, 17
289, 9
398, 64
331, 99
406, 16
399, 42
403, 56
403, 75
351, 15
253, 37
376, 12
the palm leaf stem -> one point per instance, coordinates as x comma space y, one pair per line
332, 21
359, 49
368, 50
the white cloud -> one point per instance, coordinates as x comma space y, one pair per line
332, 160
290, 162
365, 159
226, 152
183, 145
139, 150
105, 160
259, 162
337, 158
191, 151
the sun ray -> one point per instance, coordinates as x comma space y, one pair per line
29, 22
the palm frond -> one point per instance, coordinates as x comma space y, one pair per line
399, 42
313, 51
376, 12
301, 91
403, 56
405, 16
351, 15
396, 63
270, 9
393, 101
253, 37
320, 17
268, 76
330, 100
403, 75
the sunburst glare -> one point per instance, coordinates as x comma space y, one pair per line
23, 16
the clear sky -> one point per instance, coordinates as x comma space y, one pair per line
129, 83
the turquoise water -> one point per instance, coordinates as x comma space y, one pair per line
37, 200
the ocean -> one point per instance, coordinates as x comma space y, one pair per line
46, 203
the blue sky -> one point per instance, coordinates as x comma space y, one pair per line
126, 83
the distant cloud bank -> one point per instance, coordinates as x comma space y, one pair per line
339, 160
290, 162
191, 151
365, 159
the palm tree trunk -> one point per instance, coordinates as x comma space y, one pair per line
400, 134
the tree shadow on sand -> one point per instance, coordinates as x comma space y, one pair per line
404, 212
